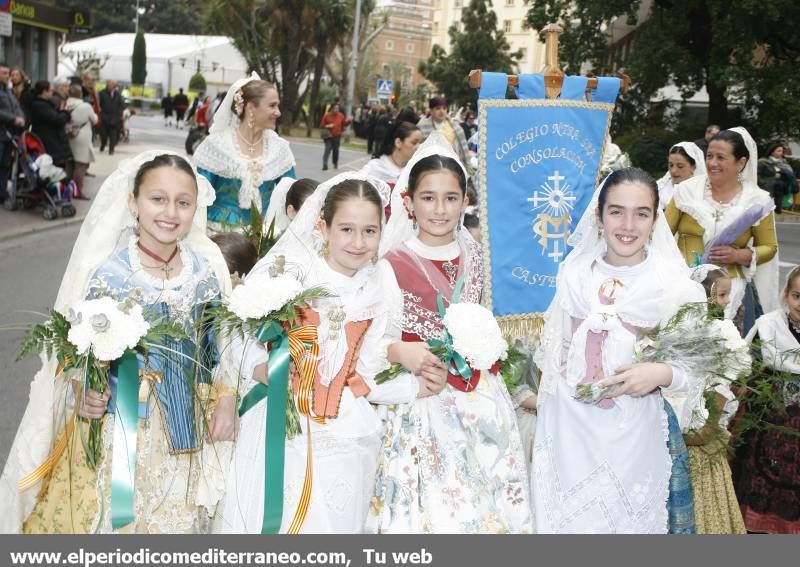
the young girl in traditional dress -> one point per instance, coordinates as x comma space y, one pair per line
606, 467
354, 327
143, 240
704, 418
450, 463
767, 464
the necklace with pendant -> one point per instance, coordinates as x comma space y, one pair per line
451, 270
336, 317
794, 324
166, 268
251, 147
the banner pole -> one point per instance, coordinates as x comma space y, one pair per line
553, 75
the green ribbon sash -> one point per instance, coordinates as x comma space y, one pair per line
275, 442
454, 360
126, 421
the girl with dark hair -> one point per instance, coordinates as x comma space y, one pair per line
451, 463
685, 160
766, 469
394, 152
624, 274
724, 218
143, 241
243, 157
333, 243
286, 201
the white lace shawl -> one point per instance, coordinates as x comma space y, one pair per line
690, 198
777, 342
220, 155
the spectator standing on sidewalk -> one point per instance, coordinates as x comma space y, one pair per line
49, 123
90, 96
166, 105
11, 117
21, 87
334, 121
111, 107
83, 118
180, 102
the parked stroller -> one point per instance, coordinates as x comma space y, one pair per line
36, 181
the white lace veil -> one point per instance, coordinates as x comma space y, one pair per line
109, 224
400, 227
586, 239
700, 273
224, 117
106, 228
695, 153
277, 206
303, 239
750, 171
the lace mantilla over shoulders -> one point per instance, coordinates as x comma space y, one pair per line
122, 275
219, 155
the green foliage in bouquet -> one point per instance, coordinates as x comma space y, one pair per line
254, 232
512, 369
51, 338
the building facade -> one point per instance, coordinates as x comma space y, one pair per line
510, 18
36, 31
402, 45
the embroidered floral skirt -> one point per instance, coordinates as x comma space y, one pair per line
452, 463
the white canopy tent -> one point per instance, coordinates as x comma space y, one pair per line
171, 59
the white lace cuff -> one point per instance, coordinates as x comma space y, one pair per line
246, 354
520, 394
680, 380
400, 390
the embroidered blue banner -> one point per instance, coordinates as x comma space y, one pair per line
539, 162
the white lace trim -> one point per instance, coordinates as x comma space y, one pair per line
220, 155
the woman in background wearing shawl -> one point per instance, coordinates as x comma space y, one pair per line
724, 218
685, 161
243, 157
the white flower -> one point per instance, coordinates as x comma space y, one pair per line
739, 360
261, 295
476, 334
102, 326
728, 331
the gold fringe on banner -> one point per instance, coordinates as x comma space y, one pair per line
528, 325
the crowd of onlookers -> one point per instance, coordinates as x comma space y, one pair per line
66, 114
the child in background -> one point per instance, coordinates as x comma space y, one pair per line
240, 254
716, 509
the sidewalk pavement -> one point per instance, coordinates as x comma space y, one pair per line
20, 222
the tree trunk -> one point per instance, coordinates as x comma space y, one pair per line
717, 104
290, 71
319, 69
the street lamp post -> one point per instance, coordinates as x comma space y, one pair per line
139, 11
351, 75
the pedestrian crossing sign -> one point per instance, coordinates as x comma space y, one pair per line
385, 88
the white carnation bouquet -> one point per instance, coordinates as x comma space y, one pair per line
701, 344
92, 335
471, 340
267, 306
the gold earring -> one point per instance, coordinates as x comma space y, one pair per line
251, 121
325, 250
374, 259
